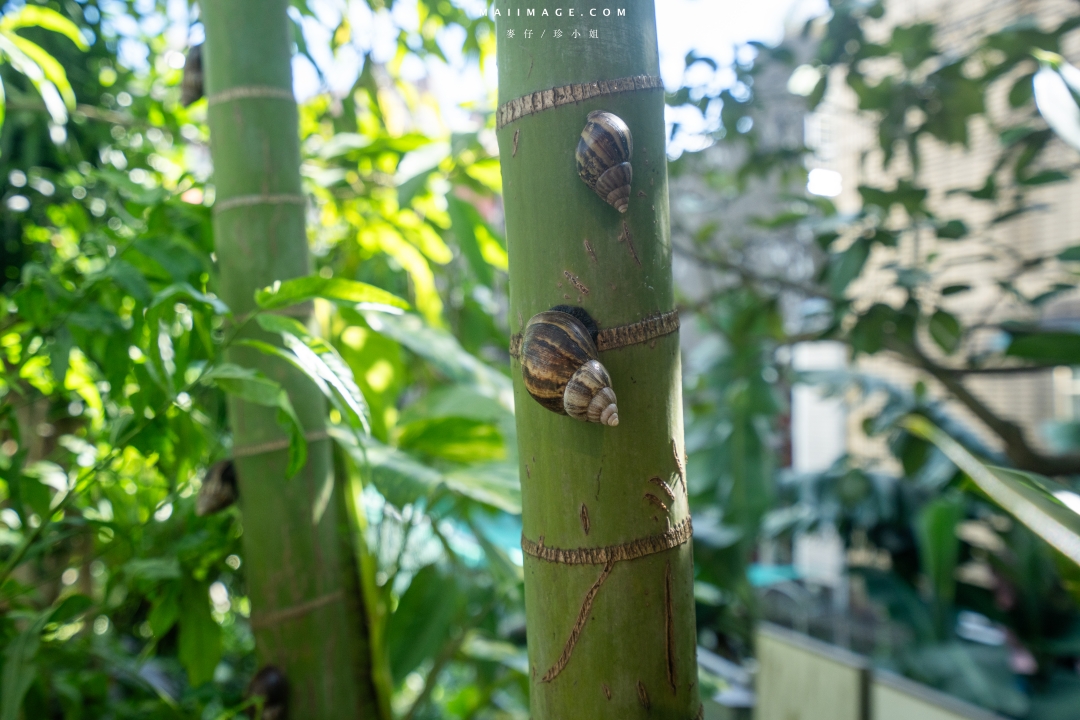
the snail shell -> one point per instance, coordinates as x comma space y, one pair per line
560, 368
603, 158
191, 86
271, 684
218, 489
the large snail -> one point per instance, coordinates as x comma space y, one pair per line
603, 158
560, 369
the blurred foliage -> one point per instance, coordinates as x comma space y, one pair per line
116, 598
930, 530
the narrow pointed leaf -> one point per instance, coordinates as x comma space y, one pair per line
338, 290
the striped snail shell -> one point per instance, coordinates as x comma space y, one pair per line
218, 489
603, 158
560, 368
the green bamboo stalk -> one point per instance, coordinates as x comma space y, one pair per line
611, 633
307, 612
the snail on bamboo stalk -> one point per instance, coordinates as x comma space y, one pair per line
560, 368
603, 158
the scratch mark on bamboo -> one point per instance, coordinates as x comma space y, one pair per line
655, 480
575, 633
606, 689
656, 501
643, 696
589, 249
627, 237
679, 463
576, 282
517, 134
598, 481
585, 518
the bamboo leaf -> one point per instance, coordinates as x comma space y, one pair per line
321, 363
1022, 495
402, 479
338, 290
445, 353
423, 620
178, 291
54, 71
456, 439
463, 222
43, 17
255, 388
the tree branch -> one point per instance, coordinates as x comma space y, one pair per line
1017, 447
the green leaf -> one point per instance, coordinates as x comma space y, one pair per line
403, 480
846, 266
424, 618
19, 667
456, 439
70, 607
945, 330
165, 610
444, 352
200, 637
1022, 495
954, 289
463, 220
939, 548
338, 290
153, 569
3, 104
322, 365
50, 66
184, 291
43, 17
1046, 347
1071, 254
253, 387
412, 187
952, 230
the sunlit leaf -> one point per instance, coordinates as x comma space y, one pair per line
320, 362
1056, 85
339, 290
43, 17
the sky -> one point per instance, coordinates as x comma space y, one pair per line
709, 27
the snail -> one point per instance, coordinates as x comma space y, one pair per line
191, 85
272, 686
560, 369
603, 158
218, 489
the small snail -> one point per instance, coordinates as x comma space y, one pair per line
560, 369
272, 686
603, 158
218, 489
191, 85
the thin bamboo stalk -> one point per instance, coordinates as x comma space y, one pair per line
307, 613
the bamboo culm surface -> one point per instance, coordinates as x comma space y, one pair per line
606, 539
301, 575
